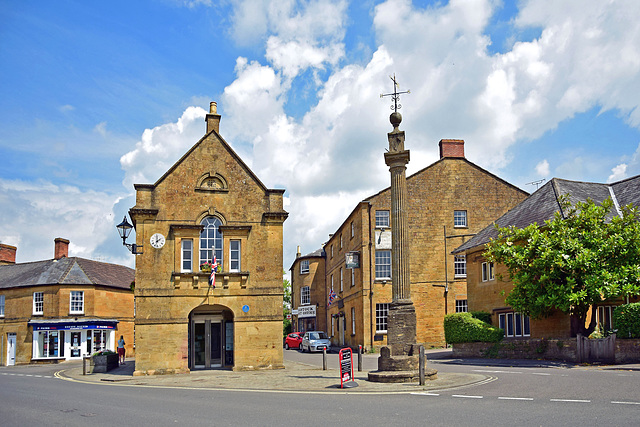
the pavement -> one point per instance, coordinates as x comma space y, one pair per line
296, 377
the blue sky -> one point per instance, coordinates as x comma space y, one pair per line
98, 96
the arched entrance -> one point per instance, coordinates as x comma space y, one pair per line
210, 337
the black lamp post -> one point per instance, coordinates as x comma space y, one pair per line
124, 229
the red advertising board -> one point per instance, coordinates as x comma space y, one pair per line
346, 366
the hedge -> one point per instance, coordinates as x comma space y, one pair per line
482, 315
626, 319
463, 327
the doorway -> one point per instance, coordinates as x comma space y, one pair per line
11, 349
210, 338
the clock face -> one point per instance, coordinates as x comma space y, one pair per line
157, 240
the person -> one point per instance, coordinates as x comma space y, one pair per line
121, 349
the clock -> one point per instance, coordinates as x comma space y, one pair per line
157, 240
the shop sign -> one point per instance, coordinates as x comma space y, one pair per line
346, 368
352, 259
307, 311
68, 326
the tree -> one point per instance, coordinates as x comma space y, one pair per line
286, 304
572, 262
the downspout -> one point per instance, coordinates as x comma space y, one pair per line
371, 312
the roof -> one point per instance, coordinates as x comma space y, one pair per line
544, 203
66, 271
319, 253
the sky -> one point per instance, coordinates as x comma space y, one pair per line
97, 96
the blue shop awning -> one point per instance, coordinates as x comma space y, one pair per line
66, 324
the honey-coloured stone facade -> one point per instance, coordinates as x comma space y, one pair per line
451, 184
182, 322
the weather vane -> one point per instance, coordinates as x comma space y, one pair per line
395, 95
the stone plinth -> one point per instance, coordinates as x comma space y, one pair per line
401, 329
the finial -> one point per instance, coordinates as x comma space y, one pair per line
395, 118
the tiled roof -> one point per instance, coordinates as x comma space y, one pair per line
543, 204
66, 271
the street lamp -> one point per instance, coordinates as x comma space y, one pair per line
124, 229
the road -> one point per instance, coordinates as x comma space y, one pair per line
518, 395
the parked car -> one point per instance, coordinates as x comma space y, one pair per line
315, 341
293, 340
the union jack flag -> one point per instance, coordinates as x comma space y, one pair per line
332, 296
212, 277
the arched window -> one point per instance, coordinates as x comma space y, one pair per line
211, 240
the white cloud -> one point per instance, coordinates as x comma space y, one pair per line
542, 168
161, 147
35, 213
101, 128
618, 173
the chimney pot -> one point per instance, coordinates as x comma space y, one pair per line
7, 254
451, 148
213, 118
61, 248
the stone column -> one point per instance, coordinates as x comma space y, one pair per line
401, 331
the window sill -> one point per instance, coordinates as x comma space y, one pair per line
76, 314
460, 276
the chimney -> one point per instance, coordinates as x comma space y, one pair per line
298, 254
451, 148
61, 248
7, 254
213, 118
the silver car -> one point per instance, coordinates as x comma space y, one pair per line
315, 341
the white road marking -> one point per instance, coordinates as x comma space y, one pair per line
496, 372
466, 396
515, 398
626, 403
424, 393
570, 400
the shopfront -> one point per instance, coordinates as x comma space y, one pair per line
306, 318
70, 339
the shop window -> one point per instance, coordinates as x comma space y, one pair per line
383, 265
304, 266
382, 314
49, 344
187, 255
234, 255
305, 295
382, 219
460, 218
461, 306
38, 303
460, 266
211, 240
76, 302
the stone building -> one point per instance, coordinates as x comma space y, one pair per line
307, 284
208, 207
486, 290
62, 308
448, 202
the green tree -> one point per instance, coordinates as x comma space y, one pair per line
286, 304
572, 262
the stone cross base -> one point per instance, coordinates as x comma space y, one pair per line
401, 330
400, 369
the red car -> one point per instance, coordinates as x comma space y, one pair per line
293, 340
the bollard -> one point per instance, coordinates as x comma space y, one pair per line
324, 359
84, 365
422, 365
359, 358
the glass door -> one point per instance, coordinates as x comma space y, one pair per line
216, 345
199, 344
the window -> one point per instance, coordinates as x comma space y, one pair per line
76, 302
514, 324
487, 271
305, 295
48, 344
461, 306
459, 218
341, 280
187, 254
382, 219
353, 230
382, 313
460, 266
1, 305
383, 264
234, 255
604, 317
210, 240
332, 282
331, 251
38, 302
333, 326
304, 266
353, 320
340, 240
353, 277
